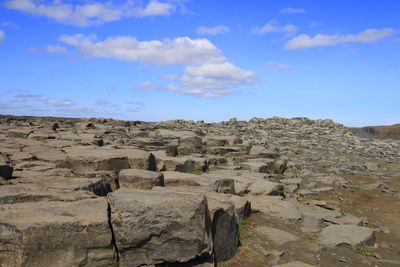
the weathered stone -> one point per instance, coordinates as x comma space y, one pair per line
294, 264
279, 166
334, 235
265, 187
153, 227
224, 185
224, 228
83, 159
276, 207
56, 234
278, 236
262, 152
173, 178
140, 179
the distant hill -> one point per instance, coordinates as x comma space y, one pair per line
384, 132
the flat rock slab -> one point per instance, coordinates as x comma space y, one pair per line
334, 235
173, 178
277, 236
275, 206
153, 227
140, 179
19, 193
294, 264
56, 234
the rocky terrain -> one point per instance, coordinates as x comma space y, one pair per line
384, 132
264, 192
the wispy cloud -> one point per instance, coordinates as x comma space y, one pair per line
169, 77
291, 10
304, 41
272, 27
147, 86
9, 24
2, 37
278, 66
220, 29
314, 24
55, 49
178, 51
91, 13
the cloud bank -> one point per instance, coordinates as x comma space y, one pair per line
178, 51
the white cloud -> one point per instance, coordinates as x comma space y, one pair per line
212, 80
208, 73
155, 8
147, 86
54, 49
182, 50
290, 10
220, 29
2, 37
90, 13
278, 66
306, 41
273, 26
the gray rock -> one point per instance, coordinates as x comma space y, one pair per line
334, 235
56, 234
140, 179
83, 159
153, 227
294, 264
276, 207
278, 236
262, 152
224, 228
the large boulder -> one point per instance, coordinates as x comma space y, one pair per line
56, 234
140, 179
152, 227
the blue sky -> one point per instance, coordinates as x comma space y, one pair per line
202, 60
